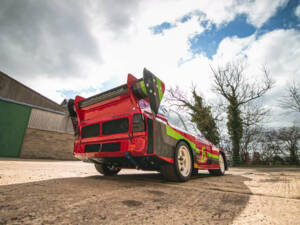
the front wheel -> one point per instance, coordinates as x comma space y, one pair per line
181, 170
221, 170
106, 170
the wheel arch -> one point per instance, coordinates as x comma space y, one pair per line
225, 159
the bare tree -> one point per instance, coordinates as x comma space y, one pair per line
231, 82
268, 145
250, 135
279, 143
253, 114
290, 138
291, 101
176, 97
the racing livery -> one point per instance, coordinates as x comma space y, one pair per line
126, 127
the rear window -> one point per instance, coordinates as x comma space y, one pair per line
115, 126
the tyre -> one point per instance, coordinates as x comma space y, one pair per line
106, 170
221, 170
182, 167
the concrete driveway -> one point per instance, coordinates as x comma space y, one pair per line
72, 192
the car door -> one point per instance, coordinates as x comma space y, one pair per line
200, 143
204, 148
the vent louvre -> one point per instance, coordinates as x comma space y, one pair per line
90, 131
115, 126
92, 148
111, 147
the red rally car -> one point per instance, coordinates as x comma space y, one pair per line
126, 127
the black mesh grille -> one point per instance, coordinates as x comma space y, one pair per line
150, 136
111, 147
90, 131
92, 148
115, 126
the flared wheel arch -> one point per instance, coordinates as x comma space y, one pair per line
171, 170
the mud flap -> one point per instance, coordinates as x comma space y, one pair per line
72, 114
164, 144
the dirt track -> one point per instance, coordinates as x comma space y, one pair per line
55, 192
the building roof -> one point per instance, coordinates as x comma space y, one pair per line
14, 90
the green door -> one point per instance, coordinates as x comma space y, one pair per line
13, 123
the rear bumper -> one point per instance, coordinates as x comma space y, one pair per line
93, 155
111, 148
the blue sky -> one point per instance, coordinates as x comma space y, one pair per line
207, 43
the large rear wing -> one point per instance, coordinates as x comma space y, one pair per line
150, 88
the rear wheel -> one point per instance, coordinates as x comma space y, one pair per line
221, 170
181, 170
106, 170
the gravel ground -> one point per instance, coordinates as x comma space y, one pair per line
72, 192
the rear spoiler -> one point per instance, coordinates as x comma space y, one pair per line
150, 88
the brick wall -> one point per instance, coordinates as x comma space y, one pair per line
47, 145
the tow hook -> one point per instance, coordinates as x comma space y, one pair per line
131, 160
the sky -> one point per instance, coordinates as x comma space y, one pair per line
67, 48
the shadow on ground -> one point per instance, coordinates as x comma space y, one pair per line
125, 199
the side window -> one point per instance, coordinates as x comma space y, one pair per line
162, 110
175, 120
192, 128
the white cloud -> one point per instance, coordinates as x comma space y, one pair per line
155, 12
258, 11
232, 48
126, 45
279, 50
297, 11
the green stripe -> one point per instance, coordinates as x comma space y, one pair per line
178, 136
203, 156
159, 87
212, 155
142, 84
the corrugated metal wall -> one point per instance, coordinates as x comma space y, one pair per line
50, 121
13, 124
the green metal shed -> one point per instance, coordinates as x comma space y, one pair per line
13, 124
